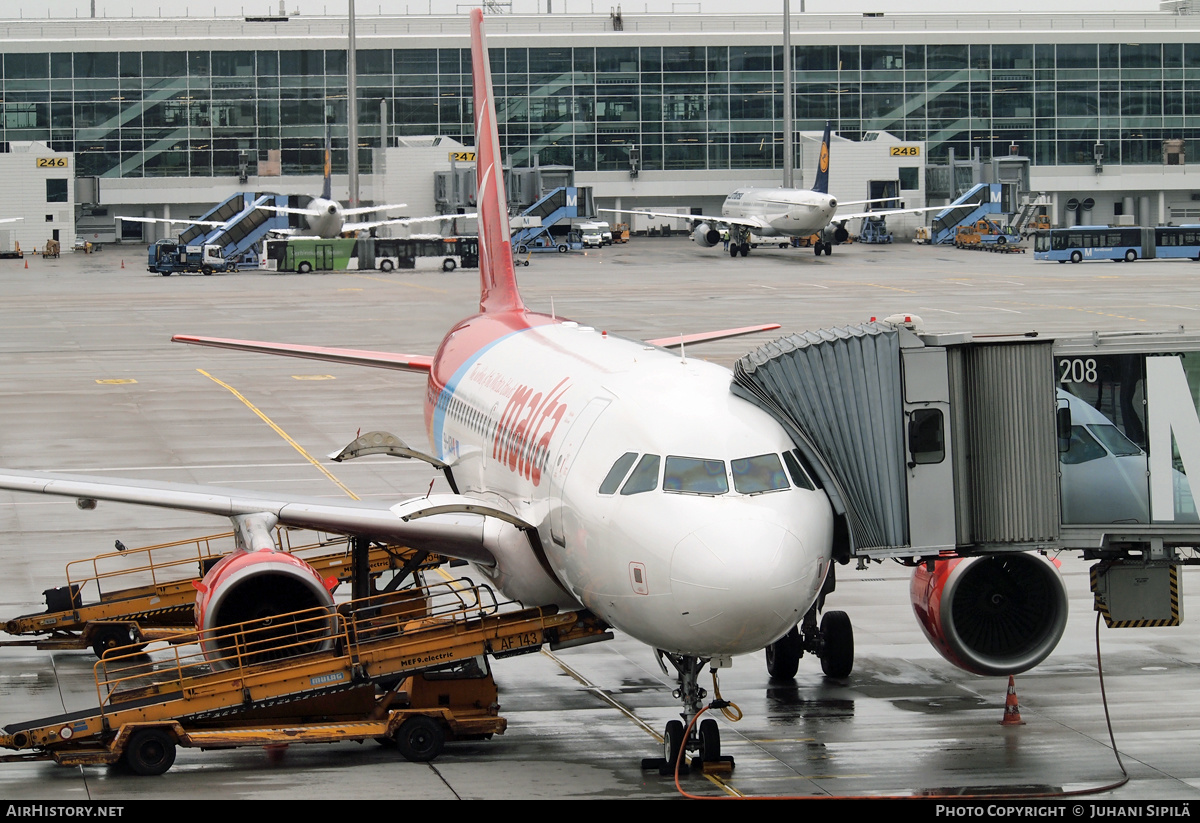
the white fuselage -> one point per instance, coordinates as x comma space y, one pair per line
325, 218
538, 418
782, 212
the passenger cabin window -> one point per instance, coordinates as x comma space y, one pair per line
644, 477
695, 475
617, 473
754, 475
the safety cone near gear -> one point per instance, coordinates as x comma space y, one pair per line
1012, 711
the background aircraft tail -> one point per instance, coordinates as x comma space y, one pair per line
327, 192
821, 184
498, 279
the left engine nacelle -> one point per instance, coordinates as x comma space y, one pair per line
994, 614
706, 235
260, 587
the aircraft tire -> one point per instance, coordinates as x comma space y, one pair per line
447, 265
710, 741
783, 656
733, 250
420, 739
837, 656
150, 752
672, 742
744, 250
828, 249
114, 637
817, 248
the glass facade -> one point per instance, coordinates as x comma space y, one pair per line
176, 113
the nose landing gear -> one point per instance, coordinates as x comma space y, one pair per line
683, 736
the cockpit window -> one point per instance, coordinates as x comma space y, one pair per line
1111, 436
753, 475
1084, 448
644, 477
617, 473
695, 475
797, 471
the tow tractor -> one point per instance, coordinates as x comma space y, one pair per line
138, 595
395, 667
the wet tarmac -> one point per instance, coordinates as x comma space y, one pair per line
89, 383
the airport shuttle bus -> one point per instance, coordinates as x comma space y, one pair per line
421, 252
1178, 241
1079, 243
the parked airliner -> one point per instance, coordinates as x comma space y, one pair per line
779, 212
588, 470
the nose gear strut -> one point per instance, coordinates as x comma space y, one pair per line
704, 738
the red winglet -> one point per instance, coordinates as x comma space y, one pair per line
497, 277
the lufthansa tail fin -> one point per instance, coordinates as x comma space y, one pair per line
498, 279
821, 185
327, 191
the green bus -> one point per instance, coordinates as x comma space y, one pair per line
420, 252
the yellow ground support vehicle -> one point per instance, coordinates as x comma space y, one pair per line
124, 599
396, 667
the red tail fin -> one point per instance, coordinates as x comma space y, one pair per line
498, 279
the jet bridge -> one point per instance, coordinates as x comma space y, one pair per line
932, 443
974, 458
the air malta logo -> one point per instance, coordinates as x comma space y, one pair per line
526, 428
823, 163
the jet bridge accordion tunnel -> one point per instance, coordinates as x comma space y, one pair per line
969, 457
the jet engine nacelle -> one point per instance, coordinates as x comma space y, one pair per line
706, 235
994, 614
259, 586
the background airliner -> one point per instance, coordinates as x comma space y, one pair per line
589, 470
779, 213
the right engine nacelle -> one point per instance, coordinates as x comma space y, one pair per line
994, 614
706, 235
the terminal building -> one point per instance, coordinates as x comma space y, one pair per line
166, 117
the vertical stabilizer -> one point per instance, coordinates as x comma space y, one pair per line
498, 279
327, 192
821, 185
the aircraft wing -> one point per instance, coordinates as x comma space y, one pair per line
704, 337
449, 524
10, 219
403, 221
371, 209
839, 217
358, 357
170, 220
752, 222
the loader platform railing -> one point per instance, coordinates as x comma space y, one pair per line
289, 658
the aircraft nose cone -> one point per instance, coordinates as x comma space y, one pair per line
741, 583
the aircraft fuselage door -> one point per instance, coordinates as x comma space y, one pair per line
565, 459
928, 448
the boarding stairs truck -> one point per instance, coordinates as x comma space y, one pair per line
559, 206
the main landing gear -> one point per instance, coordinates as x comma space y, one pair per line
739, 241
832, 643
704, 738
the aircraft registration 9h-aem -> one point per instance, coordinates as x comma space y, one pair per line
586, 469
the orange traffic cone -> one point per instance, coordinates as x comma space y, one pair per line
26, 264
1012, 711
122, 264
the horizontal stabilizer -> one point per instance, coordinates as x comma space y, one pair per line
356, 357
706, 336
